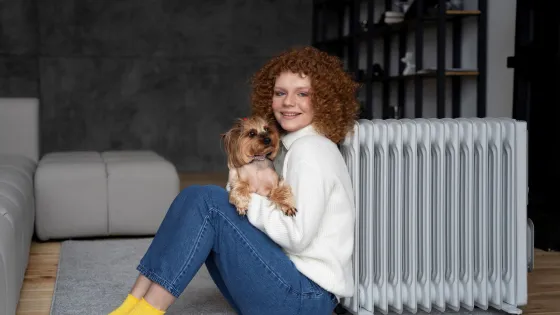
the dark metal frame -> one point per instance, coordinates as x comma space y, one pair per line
482, 57
535, 99
349, 46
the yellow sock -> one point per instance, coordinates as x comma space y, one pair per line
144, 308
128, 304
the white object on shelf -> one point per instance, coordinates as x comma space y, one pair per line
408, 59
393, 17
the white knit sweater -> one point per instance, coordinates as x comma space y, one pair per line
319, 239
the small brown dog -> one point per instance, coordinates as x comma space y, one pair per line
252, 144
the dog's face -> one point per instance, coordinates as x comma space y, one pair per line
249, 139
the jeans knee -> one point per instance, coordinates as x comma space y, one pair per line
216, 196
201, 190
189, 193
212, 195
216, 191
191, 197
208, 200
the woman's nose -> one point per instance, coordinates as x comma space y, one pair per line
289, 101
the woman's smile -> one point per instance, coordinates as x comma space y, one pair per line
290, 115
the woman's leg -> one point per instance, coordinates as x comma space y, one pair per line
255, 272
140, 287
143, 284
252, 271
182, 244
159, 296
214, 272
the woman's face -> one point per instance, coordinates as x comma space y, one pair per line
290, 101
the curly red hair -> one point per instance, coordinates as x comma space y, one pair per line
333, 92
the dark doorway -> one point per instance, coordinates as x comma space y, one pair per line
536, 100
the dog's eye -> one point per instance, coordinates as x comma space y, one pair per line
252, 133
266, 129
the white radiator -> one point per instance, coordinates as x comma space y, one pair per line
441, 215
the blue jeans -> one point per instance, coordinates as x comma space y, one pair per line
250, 270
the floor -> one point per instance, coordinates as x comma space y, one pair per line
38, 286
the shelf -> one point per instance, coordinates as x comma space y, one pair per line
318, 3
428, 75
385, 29
463, 12
460, 73
354, 31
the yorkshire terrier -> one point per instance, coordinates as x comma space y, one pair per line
253, 140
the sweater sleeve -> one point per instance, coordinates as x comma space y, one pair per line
293, 233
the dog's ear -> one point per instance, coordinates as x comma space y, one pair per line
227, 140
235, 130
274, 135
231, 139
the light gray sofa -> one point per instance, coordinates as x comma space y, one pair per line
63, 195
19, 152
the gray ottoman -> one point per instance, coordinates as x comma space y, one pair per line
70, 195
92, 194
141, 186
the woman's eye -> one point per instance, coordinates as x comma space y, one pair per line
303, 94
278, 93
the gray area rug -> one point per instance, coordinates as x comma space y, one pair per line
94, 277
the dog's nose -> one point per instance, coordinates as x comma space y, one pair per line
266, 140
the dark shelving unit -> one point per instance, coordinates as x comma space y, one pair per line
343, 27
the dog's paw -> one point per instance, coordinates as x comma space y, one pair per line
289, 211
242, 211
240, 199
242, 205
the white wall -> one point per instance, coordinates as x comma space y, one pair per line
501, 39
501, 44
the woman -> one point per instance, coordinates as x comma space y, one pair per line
266, 262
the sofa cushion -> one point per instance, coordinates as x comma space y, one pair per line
10, 266
19, 163
15, 215
17, 207
25, 190
18, 172
3, 281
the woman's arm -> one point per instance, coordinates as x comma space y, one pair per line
295, 233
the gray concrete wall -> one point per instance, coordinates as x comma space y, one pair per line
168, 75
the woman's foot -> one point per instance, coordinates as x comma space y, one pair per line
145, 308
139, 289
128, 305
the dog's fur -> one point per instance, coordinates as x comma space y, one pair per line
253, 140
